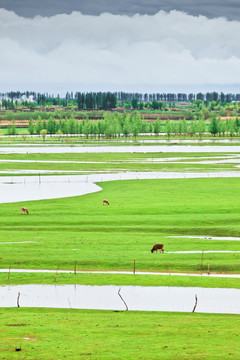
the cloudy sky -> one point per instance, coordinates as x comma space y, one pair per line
132, 45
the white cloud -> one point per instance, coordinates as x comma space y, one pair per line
116, 51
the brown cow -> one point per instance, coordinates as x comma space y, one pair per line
105, 202
24, 210
158, 247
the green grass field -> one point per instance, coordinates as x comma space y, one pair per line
88, 334
141, 214
97, 237
58, 278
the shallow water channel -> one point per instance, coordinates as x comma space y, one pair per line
136, 297
121, 149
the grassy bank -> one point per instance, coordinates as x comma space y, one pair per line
82, 334
58, 278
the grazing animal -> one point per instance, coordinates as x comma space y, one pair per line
158, 247
106, 202
24, 210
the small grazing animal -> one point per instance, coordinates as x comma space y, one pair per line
106, 202
158, 247
24, 210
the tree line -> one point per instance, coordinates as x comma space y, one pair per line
130, 124
107, 100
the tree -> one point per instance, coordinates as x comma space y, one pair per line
39, 125
43, 133
157, 127
86, 128
231, 127
193, 128
168, 128
31, 126
109, 101
136, 127
155, 105
222, 127
51, 125
173, 128
213, 126
134, 103
126, 127
12, 128
59, 133
184, 127
24, 134
200, 96
200, 128
180, 128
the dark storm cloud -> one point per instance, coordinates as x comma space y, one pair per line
210, 8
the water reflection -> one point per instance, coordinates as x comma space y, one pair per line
137, 298
121, 149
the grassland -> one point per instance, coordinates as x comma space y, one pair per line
87, 334
97, 237
141, 213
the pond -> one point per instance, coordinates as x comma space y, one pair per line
136, 297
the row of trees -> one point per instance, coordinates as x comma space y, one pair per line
109, 100
89, 101
116, 124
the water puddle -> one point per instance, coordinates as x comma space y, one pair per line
181, 141
224, 238
200, 252
45, 271
15, 189
121, 149
18, 242
44, 187
16, 172
136, 297
54, 162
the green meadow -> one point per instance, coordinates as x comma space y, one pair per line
59, 233
88, 334
141, 214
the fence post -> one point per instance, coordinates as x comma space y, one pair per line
202, 260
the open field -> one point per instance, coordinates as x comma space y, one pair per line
73, 334
141, 213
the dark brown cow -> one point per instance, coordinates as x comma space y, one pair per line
24, 210
158, 247
106, 202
